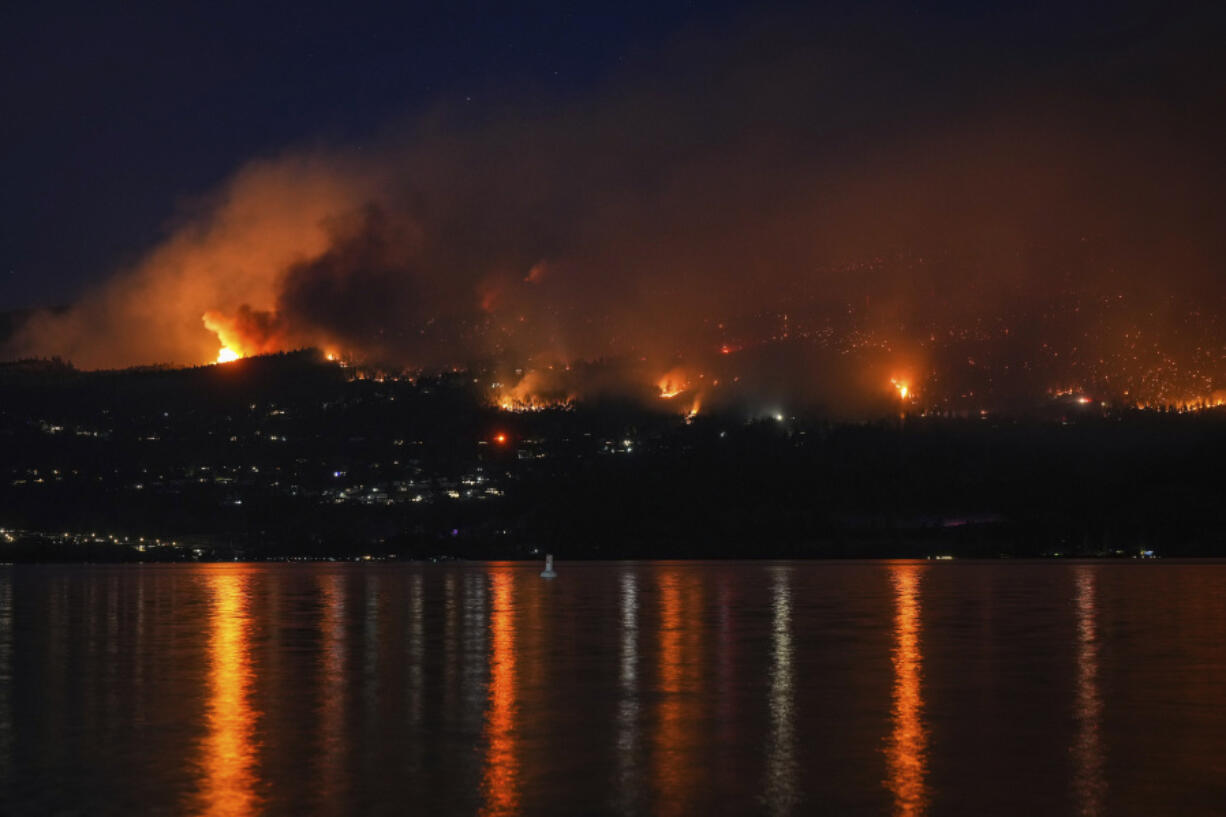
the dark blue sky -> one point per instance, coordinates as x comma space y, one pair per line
114, 113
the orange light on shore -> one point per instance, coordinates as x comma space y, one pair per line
226, 355
500, 438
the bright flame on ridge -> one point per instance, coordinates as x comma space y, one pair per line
673, 383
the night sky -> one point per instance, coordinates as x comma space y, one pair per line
660, 182
116, 112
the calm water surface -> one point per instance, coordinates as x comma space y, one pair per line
620, 688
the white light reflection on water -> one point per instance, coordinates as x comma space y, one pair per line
6, 671
137, 656
475, 665
628, 707
781, 784
451, 653
1089, 784
113, 716
370, 643
417, 649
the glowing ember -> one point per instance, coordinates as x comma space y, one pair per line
227, 355
500, 438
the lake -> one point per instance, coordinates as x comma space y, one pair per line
977, 688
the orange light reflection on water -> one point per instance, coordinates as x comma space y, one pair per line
907, 749
331, 706
500, 780
1087, 750
230, 780
680, 642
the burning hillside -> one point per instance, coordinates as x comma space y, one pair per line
719, 241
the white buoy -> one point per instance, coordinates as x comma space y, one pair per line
548, 572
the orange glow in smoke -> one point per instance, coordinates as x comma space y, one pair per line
695, 407
244, 333
673, 383
535, 391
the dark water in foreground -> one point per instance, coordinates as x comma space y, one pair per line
649, 688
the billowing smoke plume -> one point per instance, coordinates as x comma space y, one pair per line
228, 260
879, 200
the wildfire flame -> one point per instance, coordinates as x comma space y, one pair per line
533, 392
244, 333
902, 387
672, 384
532, 403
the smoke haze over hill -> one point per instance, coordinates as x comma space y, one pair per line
862, 202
